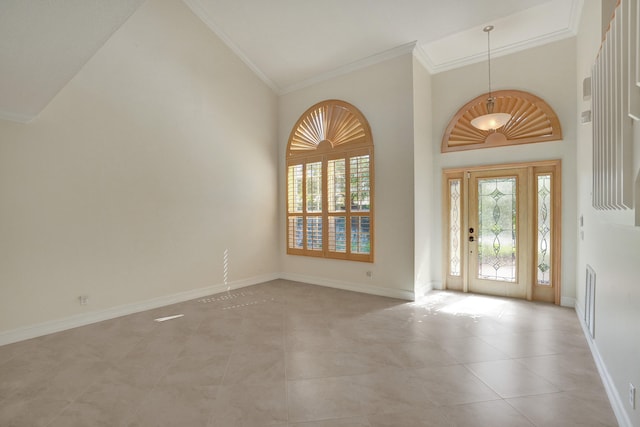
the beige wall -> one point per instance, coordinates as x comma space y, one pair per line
611, 247
383, 92
548, 72
426, 240
158, 156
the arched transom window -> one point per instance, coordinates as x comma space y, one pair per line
330, 184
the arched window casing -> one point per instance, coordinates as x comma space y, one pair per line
330, 185
532, 120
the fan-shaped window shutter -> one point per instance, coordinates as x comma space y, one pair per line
330, 186
532, 120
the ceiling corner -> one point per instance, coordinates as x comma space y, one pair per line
423, 58
576, 16
198, 9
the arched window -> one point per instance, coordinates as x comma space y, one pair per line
532, 120
330, 188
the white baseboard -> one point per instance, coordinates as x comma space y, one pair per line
437, 285
614, 397
421, 291
349, 286
75, 321
567, 302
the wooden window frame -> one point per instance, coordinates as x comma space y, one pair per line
351, 137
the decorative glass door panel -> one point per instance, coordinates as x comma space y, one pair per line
496, 231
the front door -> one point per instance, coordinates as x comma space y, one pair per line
501, 234
497, 235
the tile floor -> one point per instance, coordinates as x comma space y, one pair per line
291, 354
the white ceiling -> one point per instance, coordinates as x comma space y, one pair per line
43, 45
288, 43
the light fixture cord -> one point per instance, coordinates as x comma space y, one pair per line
489, 59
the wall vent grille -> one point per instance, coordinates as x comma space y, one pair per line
590, 301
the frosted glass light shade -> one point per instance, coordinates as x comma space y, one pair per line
491, 121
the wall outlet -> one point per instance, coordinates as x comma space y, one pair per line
83, 299
632, 396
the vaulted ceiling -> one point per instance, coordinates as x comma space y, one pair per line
288, 43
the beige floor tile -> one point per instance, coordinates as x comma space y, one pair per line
27, 371
305, 321
322, 398
418, 417
318, 340
452, 385
509, 378
34, 410
419, 354
471, 350
360, 359
495, 413
567, 371
392, 390
7, 352
206, 342
199, 370
108, 402
255, 365
340, 422
570, 408
257, 405
267, 338
526, 344
173, 405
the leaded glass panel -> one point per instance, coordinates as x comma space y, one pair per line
543, 262
454, 227
497, 229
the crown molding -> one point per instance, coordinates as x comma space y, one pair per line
561, 30
422, 57
201, 13
502, 51
353, 66
424, 53
576, 15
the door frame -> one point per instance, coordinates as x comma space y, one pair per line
534, 290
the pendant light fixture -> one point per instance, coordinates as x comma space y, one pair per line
490, 121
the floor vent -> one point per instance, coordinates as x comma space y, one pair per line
590, 301
227, 296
